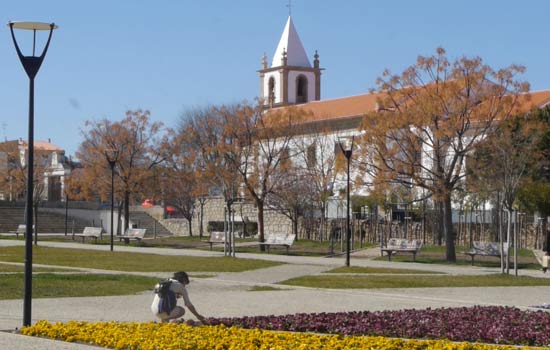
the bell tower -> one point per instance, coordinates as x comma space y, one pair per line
291, 79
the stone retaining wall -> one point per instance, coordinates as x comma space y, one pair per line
214, 209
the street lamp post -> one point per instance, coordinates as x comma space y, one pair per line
112, 158
346, 145
31, 64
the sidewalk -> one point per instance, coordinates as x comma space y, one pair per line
228, 294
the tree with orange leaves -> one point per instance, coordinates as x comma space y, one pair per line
131, 145
431, 117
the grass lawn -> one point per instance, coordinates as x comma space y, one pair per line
432, 254
264, 289
417, 281
123, 261
159, 242
46, 285
18, 268
381, 270
12, 237
301, 247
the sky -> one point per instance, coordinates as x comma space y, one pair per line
173, 56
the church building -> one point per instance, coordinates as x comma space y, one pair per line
291, 80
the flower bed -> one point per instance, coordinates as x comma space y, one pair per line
150, 336
487, 324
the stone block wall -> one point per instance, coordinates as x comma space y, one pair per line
214, 209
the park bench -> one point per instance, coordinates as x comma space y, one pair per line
542, 258
486, 249
21, 229
278, 239
137, 234
401, 245
216, 237
90, 232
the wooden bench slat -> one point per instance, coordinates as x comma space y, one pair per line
396, 245
278, 239
486, 249
90, 232
133, 233
21, 229
216, 237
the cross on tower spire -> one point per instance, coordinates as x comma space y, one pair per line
289, 7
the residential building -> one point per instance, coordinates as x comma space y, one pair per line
51, 169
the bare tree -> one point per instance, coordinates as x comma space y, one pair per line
258, 146
501, 162
319, 160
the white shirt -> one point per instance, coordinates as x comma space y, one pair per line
178, 288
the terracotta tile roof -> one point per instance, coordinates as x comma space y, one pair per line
538, 99
338, 108
43, 145
46, 146
358, 105
8, 146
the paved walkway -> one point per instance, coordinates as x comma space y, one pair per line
228, 294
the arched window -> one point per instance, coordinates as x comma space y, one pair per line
311, 155
271, 91
301, 89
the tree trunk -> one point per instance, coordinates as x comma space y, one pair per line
126, 210
501, 240
440, 222
190, 227
35, 224
515, 244
118, 219
261, 236
508, 234
448, 226
323, 234
295, 224
497, 218
202, 217
546, 238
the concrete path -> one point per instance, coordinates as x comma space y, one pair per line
229, 294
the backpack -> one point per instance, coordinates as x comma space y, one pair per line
167, 297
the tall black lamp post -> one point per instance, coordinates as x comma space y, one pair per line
31, 64
112, 158
346, 145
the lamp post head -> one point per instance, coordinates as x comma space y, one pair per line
346, 145
31, 63
111, 155
32, 25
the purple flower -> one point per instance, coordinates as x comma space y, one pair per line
491, 324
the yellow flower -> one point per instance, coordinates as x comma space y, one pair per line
153, 336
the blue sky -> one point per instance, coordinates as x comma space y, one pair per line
170, 56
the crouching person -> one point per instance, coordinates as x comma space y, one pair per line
167, 292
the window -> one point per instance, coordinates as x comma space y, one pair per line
284, 158
311, 156
271, 91
301, 89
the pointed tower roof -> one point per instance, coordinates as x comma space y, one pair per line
290, 42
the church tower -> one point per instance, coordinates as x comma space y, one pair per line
291, 79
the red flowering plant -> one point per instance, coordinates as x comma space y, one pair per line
487, 324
